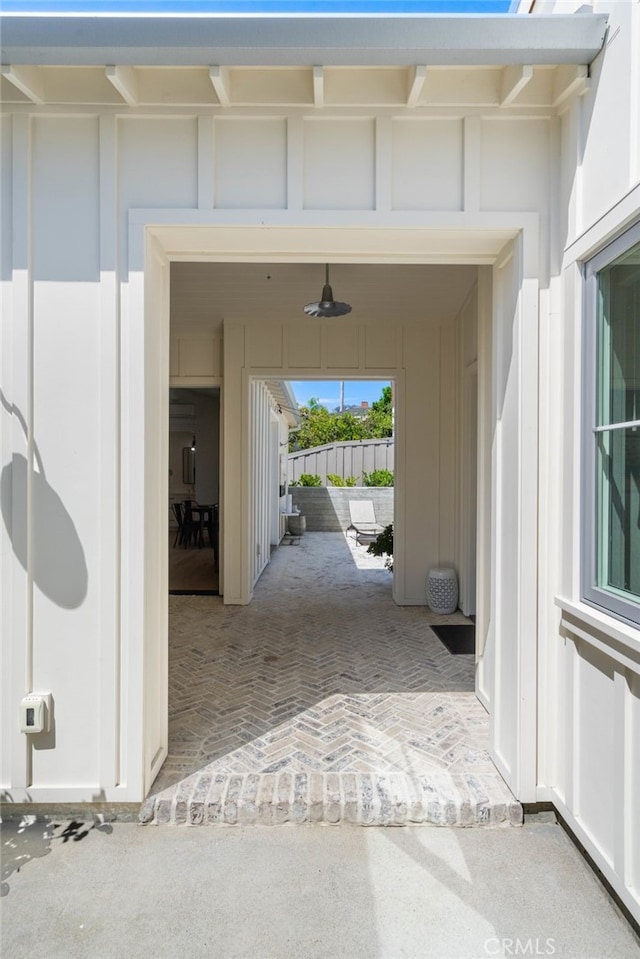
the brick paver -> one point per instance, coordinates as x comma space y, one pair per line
322, 701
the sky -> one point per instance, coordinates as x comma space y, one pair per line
328, 393
256, 6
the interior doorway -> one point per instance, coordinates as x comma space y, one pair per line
194, 491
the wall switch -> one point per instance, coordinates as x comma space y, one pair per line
35, 713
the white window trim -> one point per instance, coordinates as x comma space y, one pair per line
607, 601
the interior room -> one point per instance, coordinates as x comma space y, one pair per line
194, 490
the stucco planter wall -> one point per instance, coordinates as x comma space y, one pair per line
326, 508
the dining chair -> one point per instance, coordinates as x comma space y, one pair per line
177, 512
189, 530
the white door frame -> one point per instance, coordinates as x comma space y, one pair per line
274, 480
469, 470
392, 238
513, 628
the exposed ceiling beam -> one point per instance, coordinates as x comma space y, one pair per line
491, 40
514, 80
220, 80
569, 81
125, 81
419, 76
318, 86
26, 80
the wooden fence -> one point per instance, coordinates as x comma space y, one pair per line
345, 459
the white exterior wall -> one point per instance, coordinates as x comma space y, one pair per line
589, 726
95, 206
74, 314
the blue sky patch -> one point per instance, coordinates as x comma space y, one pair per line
249, 7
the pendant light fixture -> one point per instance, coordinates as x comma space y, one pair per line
327, 306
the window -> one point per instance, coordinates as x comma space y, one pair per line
612, 429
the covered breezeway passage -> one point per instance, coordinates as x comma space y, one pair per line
427, 351
322, 701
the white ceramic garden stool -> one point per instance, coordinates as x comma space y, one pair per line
442, 590
297, 524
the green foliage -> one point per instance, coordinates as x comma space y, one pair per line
378, 478
385, 403
307, 479
336, 480
379, 420
319, 427
383, 546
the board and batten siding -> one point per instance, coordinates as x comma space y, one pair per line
588, 662
73, 351
81, 374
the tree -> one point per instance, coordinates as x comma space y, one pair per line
385, 403
316, 428
379, 421
319, 427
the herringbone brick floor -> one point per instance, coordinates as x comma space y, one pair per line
322, 700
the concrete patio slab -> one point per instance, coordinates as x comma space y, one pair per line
123, 890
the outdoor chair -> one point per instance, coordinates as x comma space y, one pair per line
363, 521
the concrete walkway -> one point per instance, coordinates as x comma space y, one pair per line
322, 701
127, 892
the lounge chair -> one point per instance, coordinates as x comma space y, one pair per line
363, 521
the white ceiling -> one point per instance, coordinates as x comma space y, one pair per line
203, 295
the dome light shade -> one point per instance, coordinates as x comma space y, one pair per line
327, 306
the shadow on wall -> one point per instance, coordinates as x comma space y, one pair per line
59, 564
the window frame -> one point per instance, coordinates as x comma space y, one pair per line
606, 600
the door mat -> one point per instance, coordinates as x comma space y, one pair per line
459, 640
193, 592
